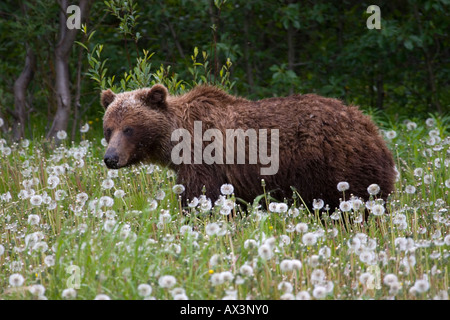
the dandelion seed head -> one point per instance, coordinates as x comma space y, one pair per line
343, 186
373, 189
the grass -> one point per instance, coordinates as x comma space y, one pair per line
94, 233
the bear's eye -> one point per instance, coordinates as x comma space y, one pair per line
108, 132
128, 131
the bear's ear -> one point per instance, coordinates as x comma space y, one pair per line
107, 98
154, 97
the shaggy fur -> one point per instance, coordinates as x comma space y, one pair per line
321, 142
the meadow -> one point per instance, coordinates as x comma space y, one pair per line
72, 229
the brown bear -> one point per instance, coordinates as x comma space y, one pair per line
313, 142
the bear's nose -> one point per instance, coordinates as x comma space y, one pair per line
111, 161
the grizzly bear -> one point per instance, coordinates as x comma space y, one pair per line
314, 143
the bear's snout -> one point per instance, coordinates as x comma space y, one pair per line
111, 160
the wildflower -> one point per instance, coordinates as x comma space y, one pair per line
167, 281
428, 178
107, 184
36, 200
422, 285
109, 225
119, 193
301, 227
60, 195
309, 239
411, 125
281, 207
345, 206
317, 276
390, 278
178, 189
50, 260
354, 243
2, 250
294, 212
144, 290
69, 293
286, 265
106, 201
273, 207
33, 219
153, 205
378, 209
285, 287
212, 228
430, 122
180, 296
250, 243
160, 195
246, 270
410, 189
2, 122
226, 189
303, 295
447, 183
84, 128
61, 135
216, 279
325, 252
265, 252
193, 203
343, 186
53, 181
37, 290
227, 276
16, 280
319, 292
391, 134
82, 197
373, 189
318, 204
102, 296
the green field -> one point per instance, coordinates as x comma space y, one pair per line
71, 229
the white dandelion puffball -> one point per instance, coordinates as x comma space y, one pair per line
84, 128
16, 280
373, 189
144, 290
178, 189
226, 189
167, 281
343, 186
61, 135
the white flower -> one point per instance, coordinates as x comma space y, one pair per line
2, 250
84, 128
167, 281
212, 228
303, 295
410, 189
16, 280
107, 184
102, 296
144, 290
345, 206
53, 181
309, 239
37, 290
373, 189
69, 293
246, 270
265, 252
422, 285
49, 260
36, 200
318, 204
301, 227
178, 189
119, 193
343, 186
33, 219
61, 135
390, 279
226, 189
285, 287
378, 209
319, 292
391, 134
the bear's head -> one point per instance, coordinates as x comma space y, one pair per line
136, 126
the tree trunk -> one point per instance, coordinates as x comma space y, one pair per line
20, 112
62, 75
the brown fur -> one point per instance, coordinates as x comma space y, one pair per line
322, 141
